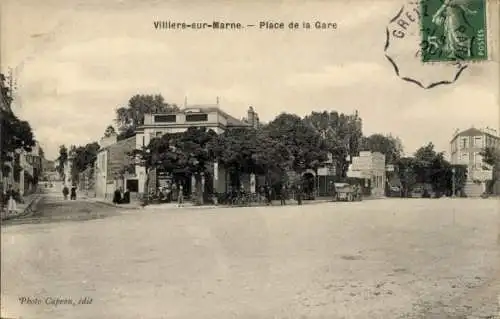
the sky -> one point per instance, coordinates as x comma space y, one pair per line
75, 62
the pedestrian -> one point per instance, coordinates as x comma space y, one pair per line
73, 193
169, 194
299, 195
11, 197
180, 197
269, 195
65, 192
126, 197
117, 197
283, 195
333, 191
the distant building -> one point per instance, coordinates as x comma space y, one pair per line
252, 118
371, 167
109, 170
465, 149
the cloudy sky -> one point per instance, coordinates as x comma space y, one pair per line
77, 61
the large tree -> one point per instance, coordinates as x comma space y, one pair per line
16, 134
83, 157
62, 161
308, 149
342, 135
491, 156
428, 166
128, 118
180, 154
388, 145
491, 162
246, 150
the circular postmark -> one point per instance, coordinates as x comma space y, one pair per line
406, 50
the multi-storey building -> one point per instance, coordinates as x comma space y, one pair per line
465, 149
112, 160
252, 118
207, 116
114, 167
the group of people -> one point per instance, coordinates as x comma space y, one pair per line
267, 193
171, 192
121, 197
67, 192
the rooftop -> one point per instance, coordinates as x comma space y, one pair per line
208, 108
475, 132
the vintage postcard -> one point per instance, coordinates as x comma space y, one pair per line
250, 159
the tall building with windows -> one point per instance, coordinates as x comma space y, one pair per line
252, 118
156, 125
465, 149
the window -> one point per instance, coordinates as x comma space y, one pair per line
465, 157
196, 117
167, 118
143, 140
159, 134
478, 160
478, 141
463, 142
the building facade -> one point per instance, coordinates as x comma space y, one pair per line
110, 166
371, 167
156, 125
465, 149
252, 118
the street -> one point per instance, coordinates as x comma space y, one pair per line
392, 258
55, 209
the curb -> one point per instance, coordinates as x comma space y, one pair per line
116, 206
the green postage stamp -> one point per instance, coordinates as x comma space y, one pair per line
454, 30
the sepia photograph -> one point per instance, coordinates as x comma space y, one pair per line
280, 159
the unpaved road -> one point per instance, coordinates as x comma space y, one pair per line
385, 259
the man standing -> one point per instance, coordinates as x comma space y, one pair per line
65, 192
333, 191
269, 195
299, 195
180, 197
117, 198
11, 198
283, 195
73, 192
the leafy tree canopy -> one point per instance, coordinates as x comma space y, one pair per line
130, 117
491, 156
179, 152
307, 147
85, 156
62, 160
16, 134
388, 145
110, 130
